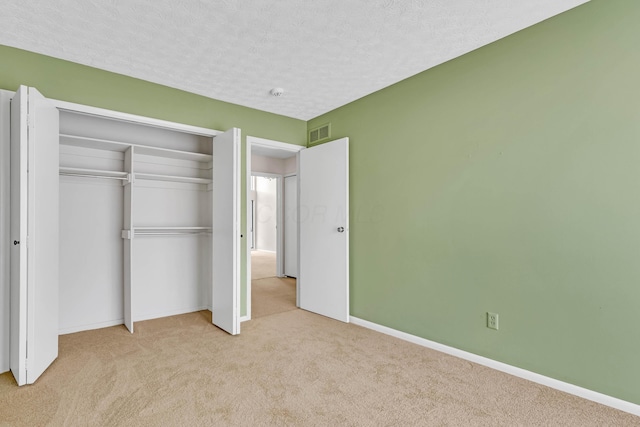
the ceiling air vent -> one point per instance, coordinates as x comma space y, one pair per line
319, 134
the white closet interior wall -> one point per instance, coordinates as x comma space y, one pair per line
170, 209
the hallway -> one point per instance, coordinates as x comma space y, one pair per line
269, 294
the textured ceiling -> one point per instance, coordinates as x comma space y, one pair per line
324, 53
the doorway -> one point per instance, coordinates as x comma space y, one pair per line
272, 227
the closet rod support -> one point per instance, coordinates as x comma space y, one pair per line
129, 179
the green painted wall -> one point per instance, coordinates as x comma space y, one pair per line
508, 180
72, 82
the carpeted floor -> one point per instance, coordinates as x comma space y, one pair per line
269, 294
290, 368
263, 264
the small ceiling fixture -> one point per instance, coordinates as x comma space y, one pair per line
277, 91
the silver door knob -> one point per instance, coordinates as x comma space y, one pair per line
340, 229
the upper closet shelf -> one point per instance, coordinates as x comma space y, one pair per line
173, 154
98, 144
105, 144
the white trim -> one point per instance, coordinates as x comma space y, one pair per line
266, 143
298, 229
266, 174
91, 326
248, 214
584, 393
126, 117
168, 313
245, 318
269, 143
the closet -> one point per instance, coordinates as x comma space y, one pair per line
136, 213
146, 223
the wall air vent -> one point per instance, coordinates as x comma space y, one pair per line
319, 134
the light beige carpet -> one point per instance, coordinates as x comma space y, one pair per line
272, 295
263, 264
290, 368
269, 294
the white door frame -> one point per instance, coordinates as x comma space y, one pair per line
283, 262
274, 146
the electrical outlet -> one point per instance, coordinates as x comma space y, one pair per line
492, 321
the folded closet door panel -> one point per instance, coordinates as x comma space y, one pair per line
18, 220
226, 231
34, 227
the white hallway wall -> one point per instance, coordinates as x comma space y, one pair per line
266, 213
264, 205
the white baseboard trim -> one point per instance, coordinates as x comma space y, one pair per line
167, 313
594, 396
245, 318
90, 327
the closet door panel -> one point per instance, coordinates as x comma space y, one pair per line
34, 285
18, 270
91, 254
226, 231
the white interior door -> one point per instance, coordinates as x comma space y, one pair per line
323, 270
291, 226
226, 231
34, 234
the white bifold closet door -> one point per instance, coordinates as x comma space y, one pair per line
323, 270
34, 232
226, 231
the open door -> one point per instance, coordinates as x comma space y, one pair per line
34, 234
323, 265
226, 232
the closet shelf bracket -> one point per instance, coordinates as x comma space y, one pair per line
129, 179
